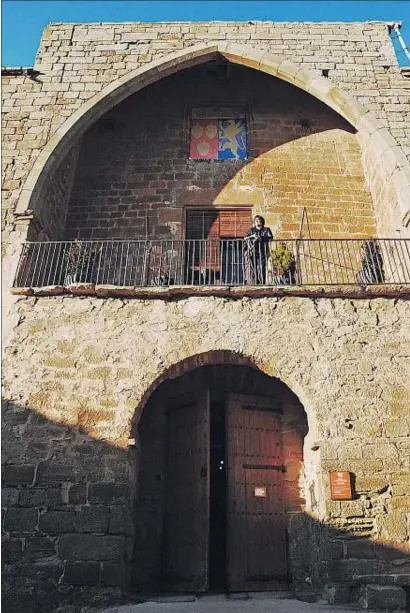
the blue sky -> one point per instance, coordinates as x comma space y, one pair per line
23, 21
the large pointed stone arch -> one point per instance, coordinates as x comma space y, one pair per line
389, 155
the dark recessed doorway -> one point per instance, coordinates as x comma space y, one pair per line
214, 495
217, 497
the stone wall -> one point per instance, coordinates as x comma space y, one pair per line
359, 56
78, 371
90, 366
77, 60
53, 211
135, 177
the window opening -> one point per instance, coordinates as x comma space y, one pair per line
214, 247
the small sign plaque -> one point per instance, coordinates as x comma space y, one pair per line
340, 486
260, 491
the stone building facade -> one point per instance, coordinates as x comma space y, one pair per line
96, 143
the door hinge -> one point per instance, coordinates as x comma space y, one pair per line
279, 467
266, 578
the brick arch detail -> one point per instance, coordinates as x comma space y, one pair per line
213, 358
389, 154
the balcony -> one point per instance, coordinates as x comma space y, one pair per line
235, 267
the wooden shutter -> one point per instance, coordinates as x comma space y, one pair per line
256, 524
215, 224
234, 224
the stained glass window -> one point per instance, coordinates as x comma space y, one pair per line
218, 139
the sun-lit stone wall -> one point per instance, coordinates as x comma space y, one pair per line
90, 366
79, 371
135, 179
76, 61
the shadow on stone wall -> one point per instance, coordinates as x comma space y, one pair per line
68, 535
65, 500
134, 173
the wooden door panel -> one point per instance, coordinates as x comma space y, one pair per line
256, 525
266, 562
185, 564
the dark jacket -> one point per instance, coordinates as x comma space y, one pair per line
258, 240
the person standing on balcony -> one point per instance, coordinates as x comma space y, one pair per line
256, 251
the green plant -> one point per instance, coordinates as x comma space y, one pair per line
282, 258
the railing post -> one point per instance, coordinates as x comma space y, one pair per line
297, 264
144, 275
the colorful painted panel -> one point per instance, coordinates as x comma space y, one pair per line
204, 140
231, 139
218, 139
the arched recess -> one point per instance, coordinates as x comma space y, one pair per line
178, 391
223, 357
220, 357
384, 150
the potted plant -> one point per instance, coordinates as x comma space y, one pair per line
372, 270
283, 265
78, 261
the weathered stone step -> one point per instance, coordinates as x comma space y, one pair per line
385, 579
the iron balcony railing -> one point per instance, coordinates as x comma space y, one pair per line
147, 263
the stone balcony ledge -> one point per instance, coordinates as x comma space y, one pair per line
235, 292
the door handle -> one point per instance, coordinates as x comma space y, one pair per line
204, 472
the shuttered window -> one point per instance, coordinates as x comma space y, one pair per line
215, 224
212, 255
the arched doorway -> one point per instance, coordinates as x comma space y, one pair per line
220, 471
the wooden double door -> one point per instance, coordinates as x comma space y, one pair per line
253, 518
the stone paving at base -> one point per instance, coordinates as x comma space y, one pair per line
222, 604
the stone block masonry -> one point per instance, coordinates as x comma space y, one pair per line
93, 149
78, 60
135, 178
90, 366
